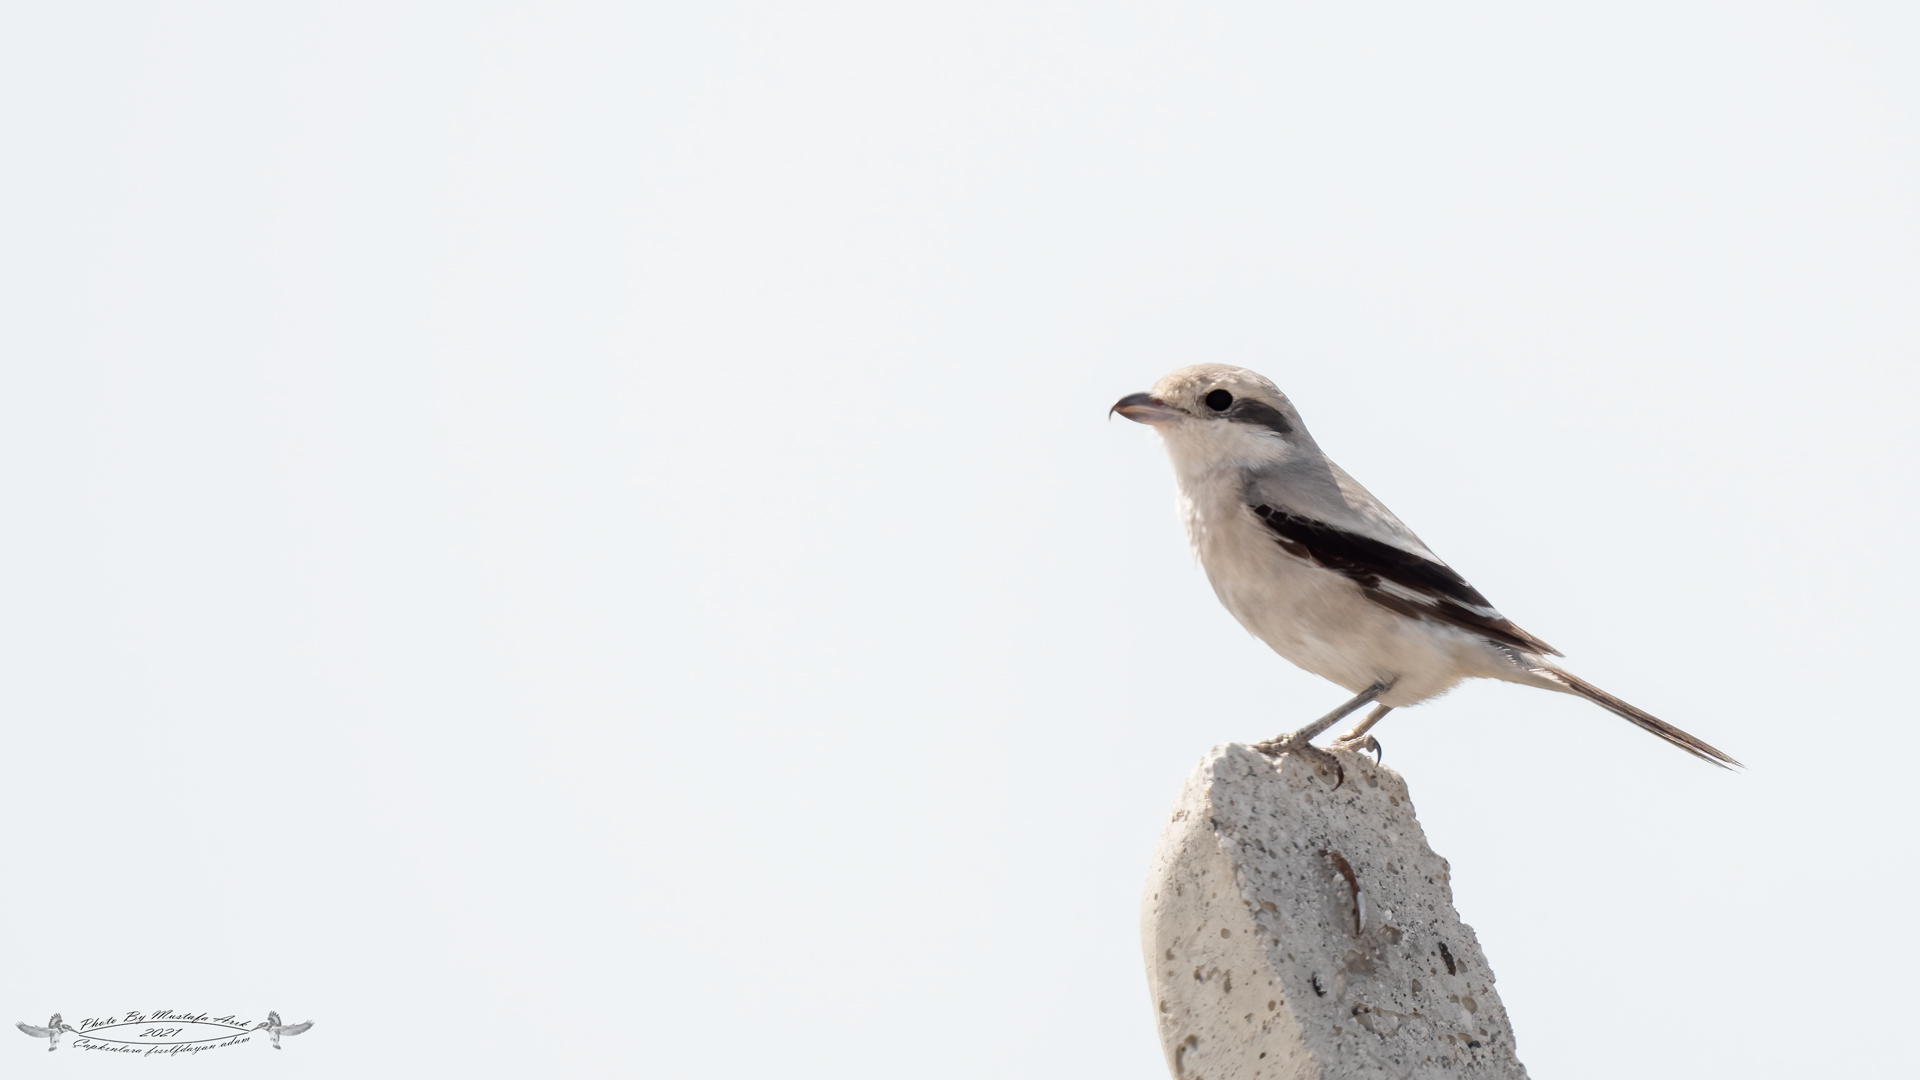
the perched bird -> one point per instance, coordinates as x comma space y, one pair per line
276, 1029
51, 1032
1317, 568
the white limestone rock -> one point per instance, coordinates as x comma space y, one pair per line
1295, 930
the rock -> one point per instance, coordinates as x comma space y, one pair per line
1293, 929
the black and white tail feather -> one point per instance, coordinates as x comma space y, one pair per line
1647, 721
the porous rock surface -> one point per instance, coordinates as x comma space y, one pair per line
1293, 929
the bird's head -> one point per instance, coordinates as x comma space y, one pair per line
1218, 415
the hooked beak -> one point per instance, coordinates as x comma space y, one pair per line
1146, 409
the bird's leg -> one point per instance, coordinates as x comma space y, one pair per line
1358, 739
1302, 740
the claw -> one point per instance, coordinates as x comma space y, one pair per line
1369, 744
1274, 748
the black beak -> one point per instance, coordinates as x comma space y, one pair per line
1146, 409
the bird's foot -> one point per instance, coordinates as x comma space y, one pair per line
1323, 763
1364, 744
1301, 742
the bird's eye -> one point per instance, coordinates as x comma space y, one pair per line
1219, 400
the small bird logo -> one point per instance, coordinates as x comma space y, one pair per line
51, 1032
274, 1027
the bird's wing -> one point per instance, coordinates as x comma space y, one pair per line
36, 1032
1408, 582
295, 1029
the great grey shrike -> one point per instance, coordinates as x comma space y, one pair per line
1317, 568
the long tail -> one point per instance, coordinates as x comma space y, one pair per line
1646, 720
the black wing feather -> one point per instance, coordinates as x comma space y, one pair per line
1444, 596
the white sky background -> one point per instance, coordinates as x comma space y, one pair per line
576, 539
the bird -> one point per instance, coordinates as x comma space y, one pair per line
276, 1029
51, 1032
1313, 565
